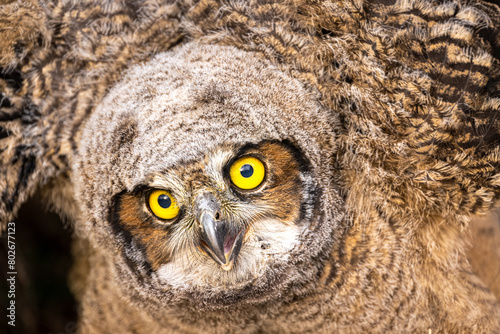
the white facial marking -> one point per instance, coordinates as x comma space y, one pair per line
215, 166
271, 241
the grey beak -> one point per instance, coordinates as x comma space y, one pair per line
220, 238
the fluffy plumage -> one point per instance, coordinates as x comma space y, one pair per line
393, 105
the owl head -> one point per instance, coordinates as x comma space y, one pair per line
211, 181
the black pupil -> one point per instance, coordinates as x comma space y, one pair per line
164, 201
246, 170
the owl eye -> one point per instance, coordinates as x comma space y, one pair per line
247, 173
163, 204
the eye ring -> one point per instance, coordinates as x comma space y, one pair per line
247, 173
162, 204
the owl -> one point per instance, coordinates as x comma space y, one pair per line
261, 166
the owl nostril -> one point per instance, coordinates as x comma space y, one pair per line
207, 203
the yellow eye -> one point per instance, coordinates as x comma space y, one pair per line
163, 204
247, 173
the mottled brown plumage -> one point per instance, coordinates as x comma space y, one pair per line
392, 105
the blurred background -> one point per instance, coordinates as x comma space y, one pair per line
44, 303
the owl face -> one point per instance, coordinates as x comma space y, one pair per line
209, 184
220, 220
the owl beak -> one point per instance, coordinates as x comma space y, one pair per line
220, 238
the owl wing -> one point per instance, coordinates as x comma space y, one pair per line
414, 84
438, 128
57, 60
23, 33
443, 156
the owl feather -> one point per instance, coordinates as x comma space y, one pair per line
410, 88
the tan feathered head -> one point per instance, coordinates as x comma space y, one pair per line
212, 182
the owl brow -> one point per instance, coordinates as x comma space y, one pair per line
162, 181
217, 164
